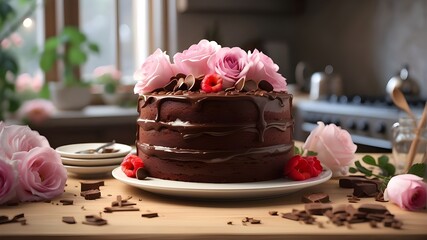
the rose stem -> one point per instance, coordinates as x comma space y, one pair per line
414, 144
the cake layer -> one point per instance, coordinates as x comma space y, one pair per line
240, 169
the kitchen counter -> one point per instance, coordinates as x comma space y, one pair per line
192, 219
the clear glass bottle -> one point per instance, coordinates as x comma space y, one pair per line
403, 133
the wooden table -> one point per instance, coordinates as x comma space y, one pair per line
190, 219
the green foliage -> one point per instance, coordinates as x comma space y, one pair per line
301, 151
418, 169
72, 48
386, 170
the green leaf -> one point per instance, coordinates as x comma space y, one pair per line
368, 159
93, 47
47, 60
362, 169
311, 153
51, 44
418, 169
352, 170
297, 151
388, 170
73, 35
76, 56
44, 92
383, 161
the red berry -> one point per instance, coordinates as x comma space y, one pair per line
301, 168
211, 83
131, 163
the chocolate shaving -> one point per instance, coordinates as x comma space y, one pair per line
190, 81
66, 201
120, 209
150, 215
19, 218
317, 208
69, 220
315, 197
250, 85
365, 189
141, 174
240, 84
273, 213
94, 220
91, 194
84, 186
171, 85
264, 85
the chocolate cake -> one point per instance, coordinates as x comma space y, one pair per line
190, 129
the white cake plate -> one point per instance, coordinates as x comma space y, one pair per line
229, 191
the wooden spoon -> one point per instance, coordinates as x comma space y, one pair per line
414, 144
400, 101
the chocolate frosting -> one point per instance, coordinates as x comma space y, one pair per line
262, 100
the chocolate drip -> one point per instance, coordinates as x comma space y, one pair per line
211, 156
198, 100
263, 102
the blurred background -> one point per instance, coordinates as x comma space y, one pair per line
339, 57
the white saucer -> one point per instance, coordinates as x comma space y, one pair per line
92, 161
229, 191
70, 150
90, 171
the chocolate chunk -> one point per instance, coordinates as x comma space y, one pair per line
229, 223
348, 182
317, 208
273, 213
119, 209
66, 201
315, 197
91, 194
149, 215
141, 174
255, 221
365, 189
342, 208
69, 220
290, 216
4, 219
84, 186
373, 208
94, 220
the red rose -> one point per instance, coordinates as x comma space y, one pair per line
301, 168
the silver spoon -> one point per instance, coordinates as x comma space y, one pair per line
96, 150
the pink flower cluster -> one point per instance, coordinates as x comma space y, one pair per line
30, 170
207, 57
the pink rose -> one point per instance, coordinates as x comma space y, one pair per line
231, 64
25, 82
333, 145
408, 191
263, 68
8, 181
41, 174
15, 138
109, 70
36, 110
195, 60
154, 73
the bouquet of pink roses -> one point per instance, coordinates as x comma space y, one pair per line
218, 67
30, 170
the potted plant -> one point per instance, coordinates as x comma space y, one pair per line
10, 21
71, 49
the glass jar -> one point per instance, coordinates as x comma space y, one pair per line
403, 134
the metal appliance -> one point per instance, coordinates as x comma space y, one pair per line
369, 120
